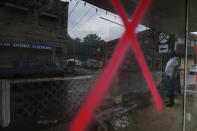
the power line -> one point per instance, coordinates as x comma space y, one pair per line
82, 17
88, 19
81, 20
111, 21
138, 28
73, 9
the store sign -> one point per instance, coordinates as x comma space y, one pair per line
163, 38
163, 49
26, 45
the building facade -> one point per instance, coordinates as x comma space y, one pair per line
180, 48
33, 33
149, 44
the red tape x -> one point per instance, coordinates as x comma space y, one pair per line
101, 88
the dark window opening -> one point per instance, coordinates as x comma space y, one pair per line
58, 52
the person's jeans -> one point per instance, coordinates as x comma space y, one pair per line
169, 86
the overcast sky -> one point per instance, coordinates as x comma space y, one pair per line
83, 20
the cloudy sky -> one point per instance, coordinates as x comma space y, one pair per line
83, 20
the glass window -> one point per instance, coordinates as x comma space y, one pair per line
74, 64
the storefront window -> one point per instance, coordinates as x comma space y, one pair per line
88, 65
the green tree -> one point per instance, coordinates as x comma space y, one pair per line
92, 39
92, 43
73, 47
78, 40
85, 49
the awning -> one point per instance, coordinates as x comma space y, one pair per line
163, 15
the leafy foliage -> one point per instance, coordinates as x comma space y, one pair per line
85, 49
92, 39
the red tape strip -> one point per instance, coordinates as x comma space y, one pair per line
85, 114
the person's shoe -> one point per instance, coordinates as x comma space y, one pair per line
171, 103
168, 101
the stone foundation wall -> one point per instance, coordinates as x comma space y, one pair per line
57, 99
33, 101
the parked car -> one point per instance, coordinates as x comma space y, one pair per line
192, 69
92, 63
72, 62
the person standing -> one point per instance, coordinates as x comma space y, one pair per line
170, 71
176, 80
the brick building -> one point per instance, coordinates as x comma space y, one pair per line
33, 33
180, 48
149, 44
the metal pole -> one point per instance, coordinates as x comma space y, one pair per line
5, 103
185, 66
